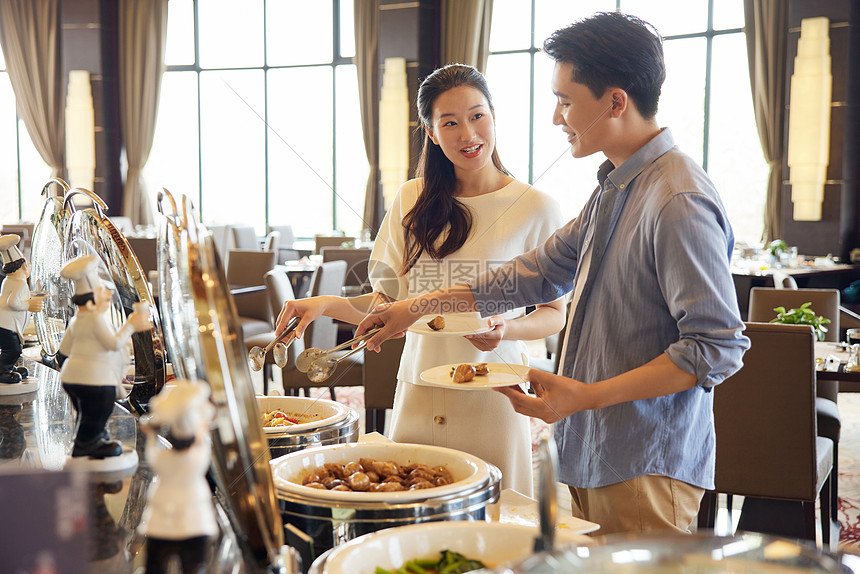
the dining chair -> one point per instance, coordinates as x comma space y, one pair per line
321, 241
322, 333
272, 241
357, 260
245, 237
246, 270
767, 445
824, 302
285, 246
278, 291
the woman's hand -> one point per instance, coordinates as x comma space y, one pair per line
308, 310
557, 397
491, 339
392, 318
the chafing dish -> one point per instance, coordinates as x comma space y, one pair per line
332, 423
329, 518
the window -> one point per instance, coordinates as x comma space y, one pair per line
23, 173
263, 129
705, 100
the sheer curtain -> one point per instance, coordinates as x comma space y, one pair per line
466, 32
766, 30
367, 68
29, 37
142, 41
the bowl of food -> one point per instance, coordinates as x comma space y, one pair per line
292, 424
378, 472
467, 489
298, 414
433, 546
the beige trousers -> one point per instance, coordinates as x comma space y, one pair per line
643, 504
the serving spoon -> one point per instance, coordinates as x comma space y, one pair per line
311, 354
257, 354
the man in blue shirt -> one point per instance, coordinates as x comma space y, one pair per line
655, 323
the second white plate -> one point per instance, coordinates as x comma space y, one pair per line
455, 325
500, 375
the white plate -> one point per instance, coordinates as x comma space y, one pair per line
317, 413
500, 375
289, 470
518, 509
491, 543
455, 325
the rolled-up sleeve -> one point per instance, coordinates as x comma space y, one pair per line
538, 276
694, 276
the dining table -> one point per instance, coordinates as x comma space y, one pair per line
831, 364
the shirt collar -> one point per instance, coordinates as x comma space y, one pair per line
622, 175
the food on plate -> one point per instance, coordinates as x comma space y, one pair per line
466, 372
463, 373
278, 418
450, 563
437, 324
370, 475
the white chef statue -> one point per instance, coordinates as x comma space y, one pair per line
94, 358
16, 304
179, 517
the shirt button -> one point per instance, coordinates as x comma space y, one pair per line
439, 420
621, 186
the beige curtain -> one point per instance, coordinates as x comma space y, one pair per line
466, 32
367, 67
142, 40
766, 30
29, 37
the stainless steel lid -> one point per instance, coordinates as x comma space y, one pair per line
206, 342
48, 254
701, 553
90, 231
64, 232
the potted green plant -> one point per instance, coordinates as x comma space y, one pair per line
802, 316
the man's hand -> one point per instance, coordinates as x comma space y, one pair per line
557, 397
392, 318
491, 339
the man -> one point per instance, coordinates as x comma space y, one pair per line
655, 323
96, 358
16, 304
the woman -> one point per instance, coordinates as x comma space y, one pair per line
463, 213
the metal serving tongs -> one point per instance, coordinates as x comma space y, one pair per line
324, 365
547, 503
311, 354
257, 354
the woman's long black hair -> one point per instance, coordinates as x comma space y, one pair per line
437, 210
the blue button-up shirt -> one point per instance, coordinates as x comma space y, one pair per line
660, 284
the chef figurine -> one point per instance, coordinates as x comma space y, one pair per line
16, 304
179, 517
94, 358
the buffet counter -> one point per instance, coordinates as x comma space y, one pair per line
95, 514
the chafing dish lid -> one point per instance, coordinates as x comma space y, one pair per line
196, 282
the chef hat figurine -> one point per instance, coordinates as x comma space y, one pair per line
94, 359
16, 304
179, 517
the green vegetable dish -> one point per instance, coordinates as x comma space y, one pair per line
449, 563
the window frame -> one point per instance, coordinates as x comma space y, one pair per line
337, 60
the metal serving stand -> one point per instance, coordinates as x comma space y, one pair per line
204, 340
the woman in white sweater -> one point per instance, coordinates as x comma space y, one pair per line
462, 214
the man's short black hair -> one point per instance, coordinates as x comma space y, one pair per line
82, 299
612, 49
13, 266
